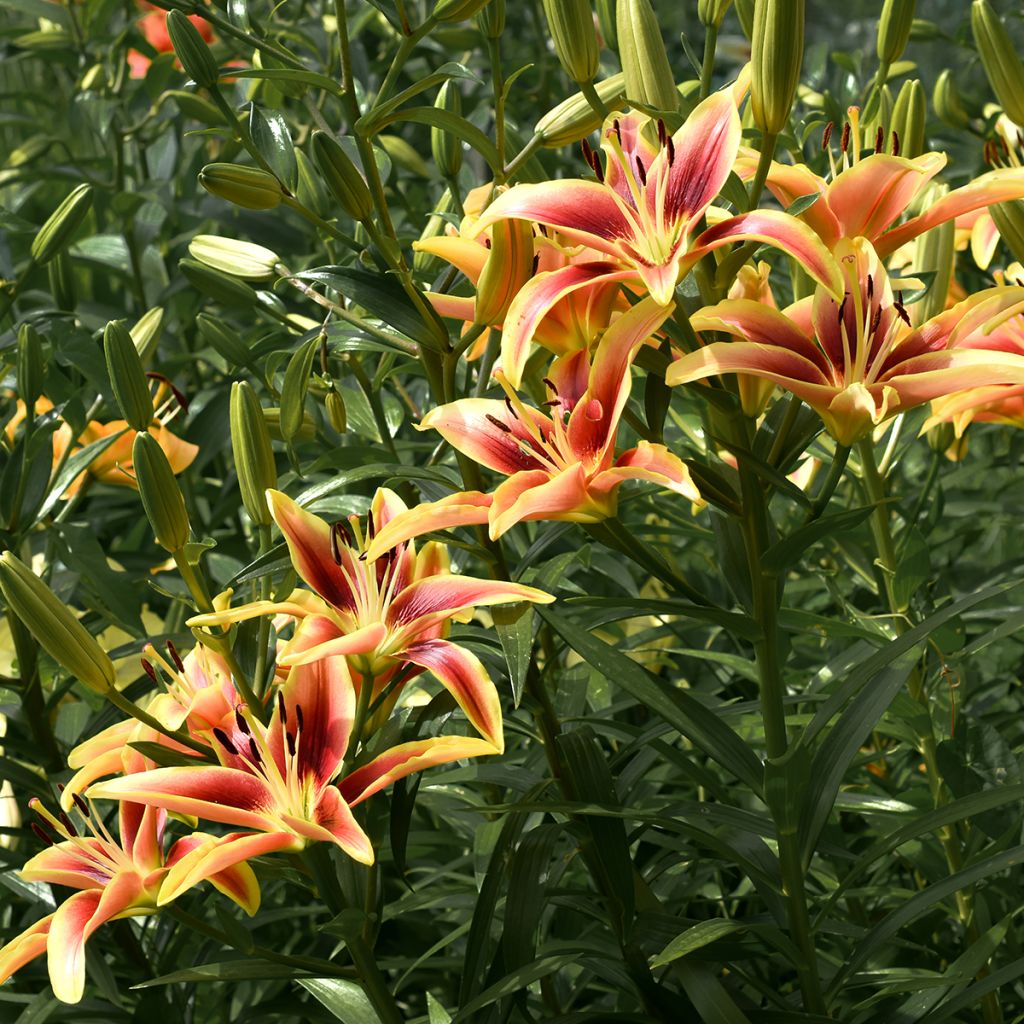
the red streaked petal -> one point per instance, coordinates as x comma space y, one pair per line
541, 495
653, 463
335, 818
463, 675
935, 374
396, 763
466, 508
309, 543
142, 829
299, 604
384, 507
778, 229
620, 156
446, 595
69, 865
361, 641
215, 793
24, 947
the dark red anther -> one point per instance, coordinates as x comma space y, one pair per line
871, 287
254, 752
298, 715
844, 139
617, 128
543, 230
511, 408
826, 136
895, 144
281, 709
495, 422
536, 264
150, 671
66, 822
290, 740
175, 656
178, 396
83, 807
339, 537
662, 132
875, 320
243, 725
41, 834
598, 170
588, 153
551, 403
901, 309
550, 384
487, 243
880, 139
225, 741
670, 147
641, 173
842, 308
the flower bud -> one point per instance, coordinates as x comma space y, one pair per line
310, 189
908, 118
230, 256
221, 287
881, 118
161, 496
62, 282
777, 50
192, 51
223, 340
491, 19
946, 101
445, 147
649, 78
248, 187
342, 177
509, 266
894, 31
456, 10
127, 377
425, 262
575, 118
31, 367
571, 24
999, 59
1009, 219
712, 12
254, 458
53, 625
146, 333
62, 224
294, 389
745, 13
606, 23
337, 415
933, 253
941, 438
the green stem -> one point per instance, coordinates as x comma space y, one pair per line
132, 710
498, 85
363, 703
593, 97
828, 488
33, 702
263, 635
708, 65
512, 168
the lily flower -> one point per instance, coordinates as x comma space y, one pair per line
557, 468
388, 615
277, 781
643, 211
865, 197
153, 26
858, 362
115, 878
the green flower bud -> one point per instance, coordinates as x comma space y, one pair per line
337, 416
161, 496
306, 431
223, 340
571, 24
254, 458
946, 101
575, 118
1009, 219
456, 10
942, 437
146, 333
908, 118
53, 625
999, 59
230, 256
342, 176
222, 287
745, 13
777, 50
62, 224
62, 282
933, 253
509, 266
310, 190
649, 78
881, 118
248, 187
31, 367
894, 31
192, 51
491, 19
712, 12
294, 389
445, 147
127, 377
606, 23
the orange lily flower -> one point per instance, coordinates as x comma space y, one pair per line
643, 211
388, 615
114, 879
858, 362
556, 468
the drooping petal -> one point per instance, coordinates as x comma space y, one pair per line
463, 675
867, 197
445, 595
541, 495
74, 921
774, 228
489, 433
396, 763
24, 947
81, 865
935, 374
653, 463
995, 187
334, 818
583, 211
466, 508
361, 641
384, 507
466, 256
215, 793
453, 307
299, 604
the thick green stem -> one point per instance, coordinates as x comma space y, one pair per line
593, 97
708, 65
132, 710
33, 701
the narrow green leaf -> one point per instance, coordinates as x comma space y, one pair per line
449, 122
698, 936
76, 464
345, 999
709, 996
788, 551
271, 137
296, 75
514, 624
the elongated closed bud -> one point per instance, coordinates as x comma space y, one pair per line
712, 12
217, 285
254, 458
294, 389
575, 118
161, 496
31, 367
456, 10
192, 51
337, 414
509, 266
310, 189
649, 78
999, 58
223, 340
946, 101
445, 147
777, 50
55, 235
249, 187
127, 377
146, 333
745, 13
234, 257
606, 23
54, 626
62, 282
342, 176
491, 19
933, 253
876, 128
893, 32
571, 24
1009, 219
909, 115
